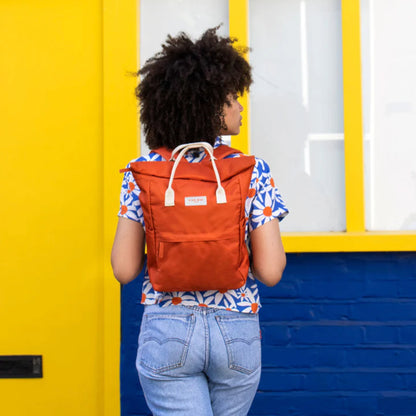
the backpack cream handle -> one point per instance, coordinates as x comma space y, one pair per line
170, 193
195, 145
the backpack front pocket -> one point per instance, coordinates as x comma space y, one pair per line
206, 265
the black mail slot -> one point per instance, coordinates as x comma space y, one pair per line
21, 366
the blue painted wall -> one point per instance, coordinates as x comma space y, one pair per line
339, 338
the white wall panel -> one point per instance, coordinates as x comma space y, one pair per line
297, 107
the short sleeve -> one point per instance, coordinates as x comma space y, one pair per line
130, 207
267, 203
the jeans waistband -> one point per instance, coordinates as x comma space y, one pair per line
201, 310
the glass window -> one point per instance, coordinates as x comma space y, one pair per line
297, 107
158, 18
388, 33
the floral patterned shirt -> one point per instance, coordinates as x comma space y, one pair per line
263, 204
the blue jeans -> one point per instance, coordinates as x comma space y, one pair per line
198, 361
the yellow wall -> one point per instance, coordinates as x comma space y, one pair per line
56, 287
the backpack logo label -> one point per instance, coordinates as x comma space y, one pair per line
192, 201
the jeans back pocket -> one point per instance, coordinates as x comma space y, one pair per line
242, 340
164, 341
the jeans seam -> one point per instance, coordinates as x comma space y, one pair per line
206, 332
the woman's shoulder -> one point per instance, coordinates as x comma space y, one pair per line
150, 157
261, 165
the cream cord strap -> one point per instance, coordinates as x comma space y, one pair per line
183, 148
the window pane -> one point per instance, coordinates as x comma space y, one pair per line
388, 33
158, 18
297, 107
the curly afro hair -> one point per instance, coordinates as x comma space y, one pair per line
185, 86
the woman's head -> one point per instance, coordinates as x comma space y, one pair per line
189, 90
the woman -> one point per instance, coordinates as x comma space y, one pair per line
199, 352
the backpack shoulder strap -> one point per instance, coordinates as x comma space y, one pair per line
163, 151
220, 152
223, 151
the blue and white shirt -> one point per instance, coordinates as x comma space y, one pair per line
263, 204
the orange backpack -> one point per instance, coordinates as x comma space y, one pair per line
195, 219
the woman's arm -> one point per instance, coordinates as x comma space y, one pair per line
127, 255
268, 255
